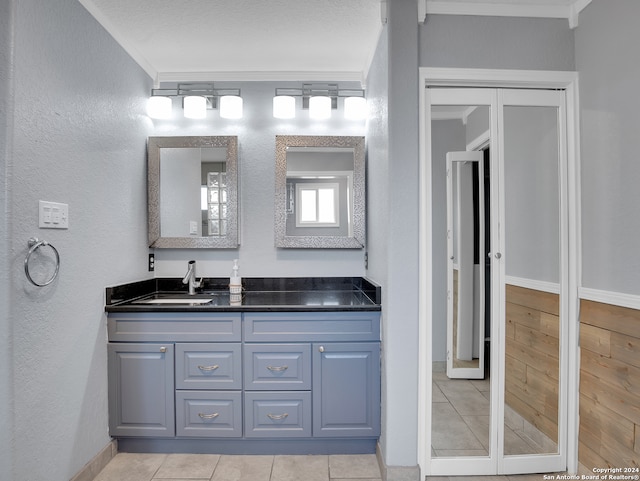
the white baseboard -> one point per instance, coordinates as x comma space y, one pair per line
607, 297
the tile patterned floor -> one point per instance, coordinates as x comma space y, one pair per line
461, 421
214, 467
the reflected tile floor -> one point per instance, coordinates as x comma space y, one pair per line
461, 420
214, 467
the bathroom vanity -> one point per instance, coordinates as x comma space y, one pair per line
291, 366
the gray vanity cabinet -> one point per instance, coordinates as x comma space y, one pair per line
141, 387
311, 377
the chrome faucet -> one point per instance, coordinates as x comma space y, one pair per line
190, 278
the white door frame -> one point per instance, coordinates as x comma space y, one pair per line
567, 81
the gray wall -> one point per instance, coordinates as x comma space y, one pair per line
447, 136
6, 386
378, 199
606, 58
392, 209
496, 42
256, 133
77, 133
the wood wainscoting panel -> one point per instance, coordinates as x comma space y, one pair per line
609, 386
532, 357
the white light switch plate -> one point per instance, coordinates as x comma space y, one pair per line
53, 215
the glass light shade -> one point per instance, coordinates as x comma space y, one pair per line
355, 108
320, 107
231, 107
159, 107
284, 107
195, 107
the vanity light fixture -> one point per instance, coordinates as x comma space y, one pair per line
231, 107
159, 107
320, 100
284, 106
195, 107
355, 108
197, 98
320, 107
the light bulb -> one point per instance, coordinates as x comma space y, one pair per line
320, 107
231, 107
195, 107
284, 107
159, 107
355, 108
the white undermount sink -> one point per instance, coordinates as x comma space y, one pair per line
175, 300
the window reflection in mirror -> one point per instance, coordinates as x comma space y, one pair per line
322, 180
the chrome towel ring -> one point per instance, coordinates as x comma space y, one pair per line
34, 245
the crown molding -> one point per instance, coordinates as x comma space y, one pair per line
503, 8
261, 76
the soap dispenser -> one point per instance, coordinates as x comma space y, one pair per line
235, 281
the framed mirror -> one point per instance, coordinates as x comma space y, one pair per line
320, 192
465, 265
193, 192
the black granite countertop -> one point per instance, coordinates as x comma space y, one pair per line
258, 294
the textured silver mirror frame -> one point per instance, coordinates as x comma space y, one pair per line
154, 146
357, 241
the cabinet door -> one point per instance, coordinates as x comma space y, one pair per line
141, 390
346, 389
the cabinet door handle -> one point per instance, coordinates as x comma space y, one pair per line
209, 368
163, 349
321, 349
278, 417
277, 368
208, 416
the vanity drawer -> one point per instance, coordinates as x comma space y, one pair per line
277, 414
208, 366
174, 326
277, 366
311, 326
209, 414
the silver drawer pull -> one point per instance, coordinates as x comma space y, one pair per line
208, 416
208, 368
277, 368
278, 417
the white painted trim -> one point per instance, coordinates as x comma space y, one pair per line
261, 76
452, 77
503, 8
497, 9
497, 78
544, 286
122, 40
631, 301
480, 142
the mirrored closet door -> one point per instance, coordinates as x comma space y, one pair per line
498, 159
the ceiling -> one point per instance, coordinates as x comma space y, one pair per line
315, 40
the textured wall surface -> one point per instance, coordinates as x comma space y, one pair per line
496, 42
78, 137
378, 195
606, 43
6, 387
